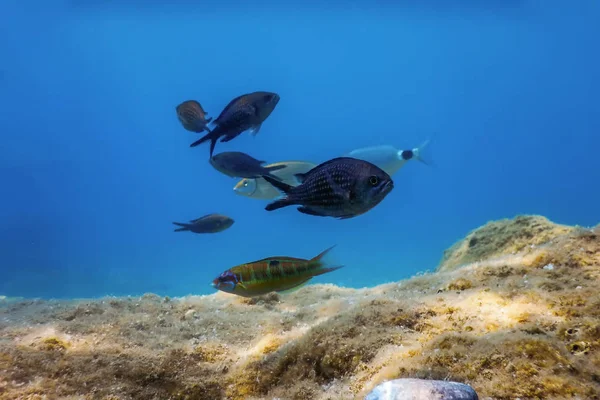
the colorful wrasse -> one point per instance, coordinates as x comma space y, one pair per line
273, 274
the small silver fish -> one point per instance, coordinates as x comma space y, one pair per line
260, 189
389, 158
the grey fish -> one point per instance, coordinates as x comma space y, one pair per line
211, 223
241, 165
389, 158
342, 188
192, 116
258, 188
245, 112
422, 389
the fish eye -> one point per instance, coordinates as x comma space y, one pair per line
373, 180
246, 184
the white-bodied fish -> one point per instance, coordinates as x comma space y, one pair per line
259, 188
389, 158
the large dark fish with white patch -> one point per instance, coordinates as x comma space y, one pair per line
342, 188
192, 116
245, 112
273, 274
241, 165
211, 223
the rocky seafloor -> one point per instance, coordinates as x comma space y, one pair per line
513, 310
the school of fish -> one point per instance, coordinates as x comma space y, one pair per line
342, 188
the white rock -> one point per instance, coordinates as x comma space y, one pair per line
422, 389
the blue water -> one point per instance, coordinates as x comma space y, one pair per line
95, 166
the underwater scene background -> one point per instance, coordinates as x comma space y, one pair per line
95, 166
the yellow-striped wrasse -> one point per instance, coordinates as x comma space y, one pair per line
273, 274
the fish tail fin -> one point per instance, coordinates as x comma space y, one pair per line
273, 177
203, 139
277, 204
268, 171
213, 143
276, 167
322, 266
419, 152
325, 270
184, 227
322, 254
283, 187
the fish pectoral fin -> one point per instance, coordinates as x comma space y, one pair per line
240, 284
310, 211
337, 189
255, 129
294, 288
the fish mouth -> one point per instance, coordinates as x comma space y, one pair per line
242, 189
274, 100
388, 186
239, 187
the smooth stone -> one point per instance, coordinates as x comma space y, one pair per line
422, 389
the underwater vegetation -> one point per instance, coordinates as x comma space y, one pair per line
513, 311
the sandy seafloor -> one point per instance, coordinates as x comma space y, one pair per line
513, 310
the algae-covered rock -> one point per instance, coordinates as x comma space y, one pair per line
510, 326
422, 389
502, 237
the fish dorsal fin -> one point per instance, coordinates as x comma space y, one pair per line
281, 186
333, 160
229, 105
302, 176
